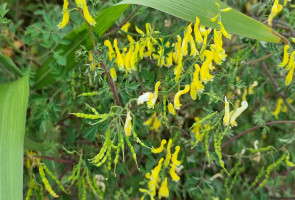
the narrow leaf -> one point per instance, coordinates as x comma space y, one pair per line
13, 108
234, 21
9, 64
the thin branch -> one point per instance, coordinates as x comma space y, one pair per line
275, 84
124, 22
111, 83
254, 128
56, 159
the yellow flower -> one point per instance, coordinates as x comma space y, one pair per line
197, 32
194, 50
119, 59
163, 191
139, 31
134, 57
223, 31
291, 61
177, 103
253, 85
226, 112
214, 19
278, 108
82, 4
125, 27
128, 125
154, 121
174, 156
236, 113
196, 85
154, 177
111, 53
169, 59
178, 52
168, 154
186, 39
66, 15
149, 97
173, 174
178, 70
276, 8
160, 148
290, 75
113, 74
171, 109
204, 72
286, 57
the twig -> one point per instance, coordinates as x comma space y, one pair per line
56, 159
273, 197
275, 84
254, 128
112, 86
124, 22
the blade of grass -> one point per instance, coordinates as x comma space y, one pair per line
13, 108
234, 21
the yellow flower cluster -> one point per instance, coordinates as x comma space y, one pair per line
230, 117
279, 107
66, 14
289, 63
154, 122
145, 47
153, 177
276, 8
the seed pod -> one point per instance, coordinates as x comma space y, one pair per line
31, 187
88, 94
45, 182
84, 189
132, 149
55, 179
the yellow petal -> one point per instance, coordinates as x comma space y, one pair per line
290, 75
223, 31
160, 148
177, 103
113, 74
226, 112
286, 57
128, 125
174, 156
164, 191
171, 109
65, 20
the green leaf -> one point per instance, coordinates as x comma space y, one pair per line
234, 21
13, 108
80, 36
35, 146
7, 62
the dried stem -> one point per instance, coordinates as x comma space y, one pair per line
254, 128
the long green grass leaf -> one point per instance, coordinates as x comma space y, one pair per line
9, 64
234, 21
13, 108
